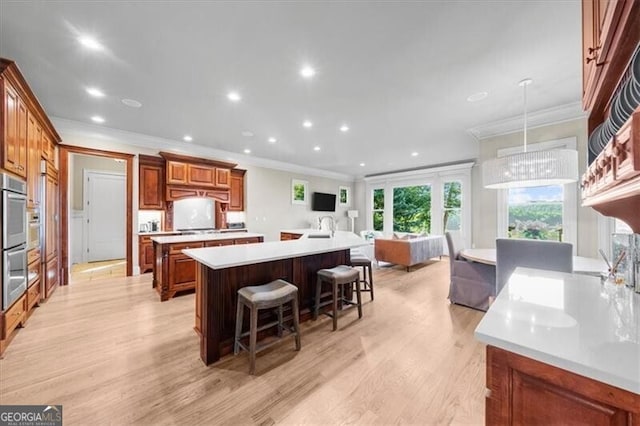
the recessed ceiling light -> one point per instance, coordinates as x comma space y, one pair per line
344, 128
132, 103
90, 43
307, 71
234, 96
247, 151
187, 138
307, 124
414, 154
247, 134
272, 140
95, 92
477, 96
361, 164
316, 148
97, 119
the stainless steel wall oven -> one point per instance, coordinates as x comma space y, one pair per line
14, 239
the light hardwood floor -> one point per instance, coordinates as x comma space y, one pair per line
113, 354
98, 270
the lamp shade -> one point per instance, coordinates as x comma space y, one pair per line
533, 168
352, 213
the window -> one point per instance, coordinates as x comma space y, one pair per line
452, 206
536, 212
378, 209
412, 209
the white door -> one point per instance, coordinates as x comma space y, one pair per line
106, 211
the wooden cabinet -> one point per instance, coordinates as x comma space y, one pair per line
174, 271
33, 295
145, 254
236, 191
34, 136
48, 149
13, 317
51, 234
176, 173
197, 175
223, 178
600, 19
610, 37
151, 179
14, 158
286, 236
522, 391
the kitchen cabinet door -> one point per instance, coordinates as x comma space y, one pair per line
201, 176
51, 216
146, 255
236, 192
15, 132
182, 273
151, 188
34, 134
223, 178
176, 173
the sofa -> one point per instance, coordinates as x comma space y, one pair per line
408, 251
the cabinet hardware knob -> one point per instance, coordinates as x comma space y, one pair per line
593, 49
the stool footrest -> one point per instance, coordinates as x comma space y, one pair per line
263, 346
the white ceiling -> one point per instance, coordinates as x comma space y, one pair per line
398, 73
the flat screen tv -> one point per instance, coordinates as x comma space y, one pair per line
321, 202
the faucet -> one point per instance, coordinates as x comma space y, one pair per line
332, 223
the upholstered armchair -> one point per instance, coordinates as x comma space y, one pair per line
472, 284
538, 254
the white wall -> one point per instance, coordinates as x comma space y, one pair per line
268, 201
485, 200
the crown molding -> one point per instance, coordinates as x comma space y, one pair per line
83, 134
545, 117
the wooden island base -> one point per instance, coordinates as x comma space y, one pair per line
522, 391
216, 295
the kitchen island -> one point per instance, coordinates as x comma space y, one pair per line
222, 271
562, 348
173, 271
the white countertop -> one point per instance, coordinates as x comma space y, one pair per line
246, 254
569, 321
204, 237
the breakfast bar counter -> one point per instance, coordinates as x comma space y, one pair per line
222, 271
562, 345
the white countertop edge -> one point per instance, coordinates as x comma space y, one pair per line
204, 255
562, 363
204, 237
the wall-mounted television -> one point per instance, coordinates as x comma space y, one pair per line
321, 202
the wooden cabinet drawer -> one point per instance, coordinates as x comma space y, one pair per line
250, 240
33, 271
218, 243
33, 255
14, 316
177, 248
286, 236
33, 295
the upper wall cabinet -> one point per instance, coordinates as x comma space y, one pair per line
25, 131
197, 172
611, 35
14, 153
236, 202
151, 178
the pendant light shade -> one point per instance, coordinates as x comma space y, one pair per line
533, 168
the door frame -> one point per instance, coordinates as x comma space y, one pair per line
85, 197
64, 157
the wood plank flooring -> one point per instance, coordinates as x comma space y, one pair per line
98, 270
113, 354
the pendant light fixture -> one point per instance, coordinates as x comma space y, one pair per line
531, 168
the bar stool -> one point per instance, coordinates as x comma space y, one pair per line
339, 276
272, 295
359, 259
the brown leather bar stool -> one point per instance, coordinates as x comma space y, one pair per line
339, 276
358, 260
267, 296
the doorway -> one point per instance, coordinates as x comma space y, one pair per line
111, 237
